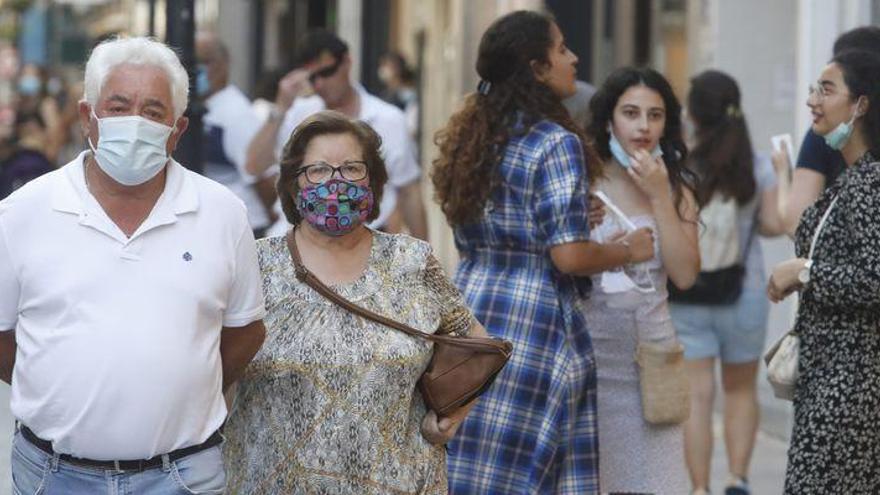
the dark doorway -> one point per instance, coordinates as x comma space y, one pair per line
575, 20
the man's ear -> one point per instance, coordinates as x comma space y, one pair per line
85, 116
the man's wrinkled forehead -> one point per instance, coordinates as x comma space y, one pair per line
126, 84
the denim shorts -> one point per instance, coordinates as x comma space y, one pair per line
735, 332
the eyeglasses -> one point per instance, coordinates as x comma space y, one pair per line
321, 172
325, 72
819, 92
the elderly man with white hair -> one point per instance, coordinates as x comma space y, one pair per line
130, 297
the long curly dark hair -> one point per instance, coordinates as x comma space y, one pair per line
473, 141
671, 142
723, 156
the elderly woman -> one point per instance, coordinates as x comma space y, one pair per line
835, 442
329, 405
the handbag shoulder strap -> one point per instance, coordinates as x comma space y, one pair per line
307, 277
821, 224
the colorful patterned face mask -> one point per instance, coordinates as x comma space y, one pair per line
335, 207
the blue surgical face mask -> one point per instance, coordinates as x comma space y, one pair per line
620, 155
130, 149
203, 84
838, 137
29, 85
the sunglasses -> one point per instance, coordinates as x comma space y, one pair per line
325, 72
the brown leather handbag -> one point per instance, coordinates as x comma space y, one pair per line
461, 368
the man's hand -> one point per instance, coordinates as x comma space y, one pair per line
291, 87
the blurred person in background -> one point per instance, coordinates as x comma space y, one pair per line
512, 177
33, 97
399, 80
818, 165
835, 442
578, 104
229, 125
731, 173
636, 124
323, 81
67, 95
24, 159
265, 92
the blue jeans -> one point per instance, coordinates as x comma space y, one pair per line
35, 472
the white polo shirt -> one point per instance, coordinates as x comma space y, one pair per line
388, 122
229, 125
118, 338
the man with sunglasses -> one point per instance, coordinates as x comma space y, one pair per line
323, 81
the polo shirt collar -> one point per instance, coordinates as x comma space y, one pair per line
179, 197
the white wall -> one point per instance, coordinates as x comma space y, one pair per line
753, 41
234, 26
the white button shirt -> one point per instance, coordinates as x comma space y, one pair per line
230, 124
118, 338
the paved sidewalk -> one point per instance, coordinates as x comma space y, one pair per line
767, 475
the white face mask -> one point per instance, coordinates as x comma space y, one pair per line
130, 149
615, 282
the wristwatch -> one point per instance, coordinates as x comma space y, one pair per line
804, 274
276, 113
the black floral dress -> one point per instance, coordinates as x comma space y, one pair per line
835, 445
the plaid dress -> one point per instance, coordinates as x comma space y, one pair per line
534, 431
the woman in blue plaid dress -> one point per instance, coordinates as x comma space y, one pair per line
512, 180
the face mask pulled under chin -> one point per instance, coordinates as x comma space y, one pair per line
130, 149
839, 136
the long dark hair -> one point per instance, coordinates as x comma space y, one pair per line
723, 156
472, 143
671, 142
861, 73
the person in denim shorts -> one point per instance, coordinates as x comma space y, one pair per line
733, 333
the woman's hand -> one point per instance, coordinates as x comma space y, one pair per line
780, 161
650, 175
784, 279
640, 243
438, 431
597, 211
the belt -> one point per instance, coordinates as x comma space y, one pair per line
136, 465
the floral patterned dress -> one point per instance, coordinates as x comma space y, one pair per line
835, 444
329, 405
